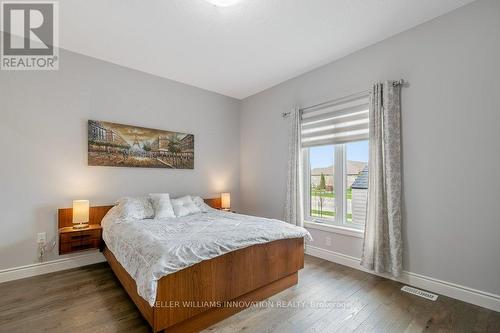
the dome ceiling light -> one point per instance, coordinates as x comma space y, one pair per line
223, 3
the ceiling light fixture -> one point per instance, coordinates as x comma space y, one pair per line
223, 3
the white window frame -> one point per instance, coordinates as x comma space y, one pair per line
339, 224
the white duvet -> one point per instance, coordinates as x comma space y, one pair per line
152, 248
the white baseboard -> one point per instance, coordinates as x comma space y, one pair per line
50, 266
463, 293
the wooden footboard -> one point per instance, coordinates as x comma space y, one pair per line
130, 286
203, 294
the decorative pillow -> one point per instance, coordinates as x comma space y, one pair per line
134, 208
200, 203
184, 206
162, 205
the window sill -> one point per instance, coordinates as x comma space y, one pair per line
352, 232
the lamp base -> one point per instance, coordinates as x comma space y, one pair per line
80, 226
225, 209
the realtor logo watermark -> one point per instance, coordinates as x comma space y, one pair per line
30, 35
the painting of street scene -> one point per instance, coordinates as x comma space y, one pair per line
118, 145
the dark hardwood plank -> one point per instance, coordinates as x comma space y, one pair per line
90, 299
87, 299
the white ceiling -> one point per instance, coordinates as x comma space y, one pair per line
239, 50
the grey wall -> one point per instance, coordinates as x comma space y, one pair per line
451, 135
450, 138
43, 133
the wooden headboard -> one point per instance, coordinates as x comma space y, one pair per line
214, 203
65, 215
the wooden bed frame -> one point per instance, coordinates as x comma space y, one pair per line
201, 295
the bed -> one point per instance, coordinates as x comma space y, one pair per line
185, 275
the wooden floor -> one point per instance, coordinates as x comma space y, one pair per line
90, 299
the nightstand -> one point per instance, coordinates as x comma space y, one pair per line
74, 240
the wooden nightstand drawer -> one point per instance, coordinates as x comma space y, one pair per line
80, 236
78, 246
71, 240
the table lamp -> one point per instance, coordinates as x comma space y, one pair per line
81, 214
225, 201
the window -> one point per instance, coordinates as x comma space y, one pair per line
356, 182
335, 147
322, 194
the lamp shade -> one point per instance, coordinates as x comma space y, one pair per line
225, 199
81, 211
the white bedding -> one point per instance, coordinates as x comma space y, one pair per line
152, 248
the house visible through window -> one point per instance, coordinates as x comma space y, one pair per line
357, 182
335, 146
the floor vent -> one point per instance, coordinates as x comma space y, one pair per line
421, 293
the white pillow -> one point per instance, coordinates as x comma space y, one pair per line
184, 206
200, 203
162, 205
134, 208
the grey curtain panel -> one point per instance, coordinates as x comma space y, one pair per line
383, 248
294, 203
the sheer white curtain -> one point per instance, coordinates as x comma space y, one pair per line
294, 202
382, 248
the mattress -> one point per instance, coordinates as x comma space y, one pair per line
153, 248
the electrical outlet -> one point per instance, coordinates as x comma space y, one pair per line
41, 238
328, 241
